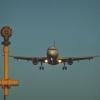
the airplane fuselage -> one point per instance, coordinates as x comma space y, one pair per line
52, 55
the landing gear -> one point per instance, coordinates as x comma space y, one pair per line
64, 67
41, 68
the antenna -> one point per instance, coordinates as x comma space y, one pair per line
54, 43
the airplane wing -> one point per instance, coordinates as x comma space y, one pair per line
22, 58
35, 60
70, 60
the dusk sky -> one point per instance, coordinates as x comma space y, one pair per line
75, 27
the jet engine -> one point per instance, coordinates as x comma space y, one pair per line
70, 61
35, 61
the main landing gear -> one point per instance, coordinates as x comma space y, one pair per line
64, 67
41, 67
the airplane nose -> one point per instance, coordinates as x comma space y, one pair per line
52, 53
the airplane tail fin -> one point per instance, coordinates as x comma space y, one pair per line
53, 44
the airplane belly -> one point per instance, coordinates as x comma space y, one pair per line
52, 61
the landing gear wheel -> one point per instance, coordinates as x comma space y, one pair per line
64, 68
41, 68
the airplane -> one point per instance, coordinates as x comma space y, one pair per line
53, 58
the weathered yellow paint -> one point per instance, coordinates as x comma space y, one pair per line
6, 83
6, 62
6, 91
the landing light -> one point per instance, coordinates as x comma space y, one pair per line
46, 61
59, 61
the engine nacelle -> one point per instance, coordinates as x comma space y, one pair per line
35, 61
70, 61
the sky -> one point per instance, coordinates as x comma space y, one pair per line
75, 27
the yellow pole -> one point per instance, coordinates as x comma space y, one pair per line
6, 83
6, 62
6, 68
5, 91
